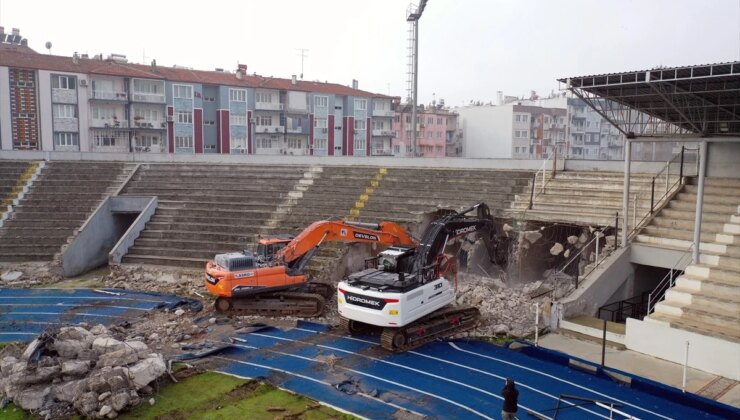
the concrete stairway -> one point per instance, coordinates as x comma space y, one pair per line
61, 199
11, 181
706, 298
586, 198
207, 209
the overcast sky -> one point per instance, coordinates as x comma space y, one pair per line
469, 49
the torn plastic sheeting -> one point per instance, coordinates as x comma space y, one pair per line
253, 328
201, 354
191, 304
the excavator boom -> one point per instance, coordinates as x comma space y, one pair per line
387, 233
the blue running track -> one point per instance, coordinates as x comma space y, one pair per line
24, 313
446, 380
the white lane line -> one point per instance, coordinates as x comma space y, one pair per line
523, 385
559, 379
464, 407
61, 313
68, 305
81, 297
362, 394
17, 333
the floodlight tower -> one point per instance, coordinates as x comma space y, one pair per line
413, 19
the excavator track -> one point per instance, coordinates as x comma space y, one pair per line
442, 323
307, 305
324, 289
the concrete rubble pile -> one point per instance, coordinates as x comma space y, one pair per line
76, 370
182, 282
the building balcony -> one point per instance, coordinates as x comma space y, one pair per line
106, 95
382, 113
298, 130
281, 151
269, 129
382, 133
269, 106
382, 152
149, 124
152, 98
108, 123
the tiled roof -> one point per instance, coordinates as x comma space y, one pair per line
32, 60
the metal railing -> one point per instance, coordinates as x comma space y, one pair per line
596, 246
668, 181
668, 281
634, 307
535, 191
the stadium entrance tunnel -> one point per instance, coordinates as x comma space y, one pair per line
107, 234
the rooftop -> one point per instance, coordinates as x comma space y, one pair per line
27, 58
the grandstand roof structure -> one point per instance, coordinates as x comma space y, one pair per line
691, 101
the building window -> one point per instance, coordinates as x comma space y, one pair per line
321, 101
517, 118
209, 122
294, 143
430, 134
264, 120
238, 95
146, 141
360, 104
525, 118
238, 119
319, 123
239, 144
183, 142
63, 82
397, 149
430, 120
64, 111
103, 113
264, 97
439, 134
320, 144
146, 114
360, 124
147, 86
377, 125
359, 143
182, 91
66, 139
439, 121
184, 117
104, 140
265, 143
380, 105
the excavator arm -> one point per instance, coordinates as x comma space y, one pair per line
301, 249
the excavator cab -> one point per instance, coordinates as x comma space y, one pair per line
268, 247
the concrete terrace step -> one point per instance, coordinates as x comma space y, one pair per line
179, 253
588, 201
712, 288
215, 237
195, 243
25, 232
724, 305
17, 248
711, 199
675, 214
205, 227
207, 218
571, 209
166, 261
209, 211
707, 316
707, 207
213, 206
688, 225
703, 272
208, 183
173, 194
688, 324
25, 256
670, 233
719, 182
677, 244
721, 190
57, 215
578, 217
44, 223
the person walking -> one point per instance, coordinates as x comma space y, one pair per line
511, 398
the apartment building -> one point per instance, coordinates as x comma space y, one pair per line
435, 125
99, 104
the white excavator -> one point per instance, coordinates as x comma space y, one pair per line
408, 292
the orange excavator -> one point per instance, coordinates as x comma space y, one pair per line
272, 280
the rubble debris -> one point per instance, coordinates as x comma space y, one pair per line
73, 368
556, 249
10, 276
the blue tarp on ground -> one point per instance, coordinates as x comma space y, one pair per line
442, 380
24, 313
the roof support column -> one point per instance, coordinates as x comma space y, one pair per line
699, 200
626, 193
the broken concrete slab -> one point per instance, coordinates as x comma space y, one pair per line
556, 249
147, 370
68, 391
69, 348
122, 357
9, 276
33, 398
532, 236
103, 345
75, 367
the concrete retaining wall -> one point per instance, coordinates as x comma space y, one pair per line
99, 235
706, 353
132, 233
723, 160
600, 286
382, 161
636, 167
